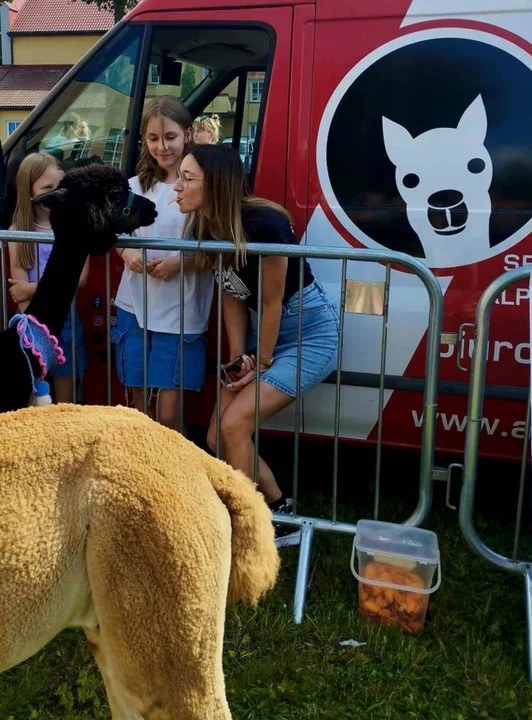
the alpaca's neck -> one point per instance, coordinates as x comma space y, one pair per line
59, 282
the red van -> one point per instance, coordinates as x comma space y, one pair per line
398, 124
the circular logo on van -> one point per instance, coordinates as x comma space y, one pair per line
425, 147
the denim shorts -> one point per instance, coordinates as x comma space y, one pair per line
163, 356
65, 341
319, 342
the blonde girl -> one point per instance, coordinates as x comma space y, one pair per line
207, 130
166, 129
39, 173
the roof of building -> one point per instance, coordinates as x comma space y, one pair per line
14, 6
61, 16
22, 87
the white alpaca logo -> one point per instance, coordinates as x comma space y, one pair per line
444, 176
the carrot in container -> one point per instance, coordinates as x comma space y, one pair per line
396, 565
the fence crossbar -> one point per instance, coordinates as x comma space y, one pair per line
388, 259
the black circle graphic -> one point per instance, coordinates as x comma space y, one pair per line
411, 181
476, 166
423, 86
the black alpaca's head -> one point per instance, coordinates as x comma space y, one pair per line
94, 204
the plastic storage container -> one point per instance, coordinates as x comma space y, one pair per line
396, 567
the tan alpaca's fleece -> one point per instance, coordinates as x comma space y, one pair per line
112, 522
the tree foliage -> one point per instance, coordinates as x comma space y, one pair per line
188, 81
118, 7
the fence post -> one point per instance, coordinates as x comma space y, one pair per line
472, 442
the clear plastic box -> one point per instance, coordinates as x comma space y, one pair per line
396, 565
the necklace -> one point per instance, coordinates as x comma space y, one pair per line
43, 227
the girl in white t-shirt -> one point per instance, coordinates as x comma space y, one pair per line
166, 128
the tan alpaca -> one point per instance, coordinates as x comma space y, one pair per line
112, 522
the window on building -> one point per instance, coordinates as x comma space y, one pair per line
153, 77
256, 88
11, 126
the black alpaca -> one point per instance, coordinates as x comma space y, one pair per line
89, 208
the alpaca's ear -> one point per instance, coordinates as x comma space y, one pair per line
51, 200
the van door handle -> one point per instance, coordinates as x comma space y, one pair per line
461, 332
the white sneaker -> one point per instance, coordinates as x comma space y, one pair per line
285, 536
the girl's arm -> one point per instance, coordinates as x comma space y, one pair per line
17, 273
235, 316
21, 289
273, 287
169, 267
132, 259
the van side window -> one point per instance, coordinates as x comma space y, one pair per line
215, 71
89, 118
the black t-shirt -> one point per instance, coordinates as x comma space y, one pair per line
264, 225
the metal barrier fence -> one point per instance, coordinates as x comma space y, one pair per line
474, 419
217, 249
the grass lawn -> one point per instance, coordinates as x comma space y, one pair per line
469, 663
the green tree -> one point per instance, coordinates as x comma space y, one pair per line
118, 7
188, 81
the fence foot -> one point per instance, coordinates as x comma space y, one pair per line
528, 600
303, 568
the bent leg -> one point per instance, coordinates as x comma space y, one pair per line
266, 480
238, 426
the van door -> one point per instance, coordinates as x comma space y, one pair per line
235, 63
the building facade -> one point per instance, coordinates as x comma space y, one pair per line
41, 40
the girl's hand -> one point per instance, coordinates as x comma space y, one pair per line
164, 268
21, 290
133, 260
242, 382
248, 365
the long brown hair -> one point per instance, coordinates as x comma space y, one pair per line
225, 197
30, 170
148, 171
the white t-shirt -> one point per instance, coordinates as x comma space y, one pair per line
164, 295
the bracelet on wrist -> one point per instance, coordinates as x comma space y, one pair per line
266, 361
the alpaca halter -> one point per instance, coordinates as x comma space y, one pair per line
36, 337
126, 212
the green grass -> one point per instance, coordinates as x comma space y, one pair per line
469, 663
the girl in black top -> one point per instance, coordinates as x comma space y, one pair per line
211, 188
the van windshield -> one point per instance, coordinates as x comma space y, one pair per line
90, 116
215, 69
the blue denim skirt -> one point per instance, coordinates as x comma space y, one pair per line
164, 350
319, 342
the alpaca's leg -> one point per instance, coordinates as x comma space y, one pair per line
120, 710
63, 389
159, 581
